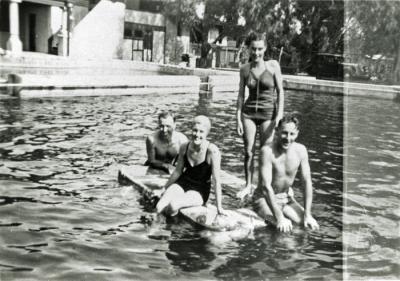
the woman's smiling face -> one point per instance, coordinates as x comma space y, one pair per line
257, 49
199, 133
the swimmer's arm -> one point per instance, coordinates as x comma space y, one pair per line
151, 156
216, 169
279, 89
309, 221
266, 182
179, 167
307, 182
240, 99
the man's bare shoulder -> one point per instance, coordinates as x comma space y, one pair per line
300, 149
181, 137
266, 151
152, 137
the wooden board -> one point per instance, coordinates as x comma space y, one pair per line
146, 180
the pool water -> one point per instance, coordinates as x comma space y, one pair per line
64, 216
372, 214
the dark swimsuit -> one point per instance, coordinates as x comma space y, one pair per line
260, 105
197, 178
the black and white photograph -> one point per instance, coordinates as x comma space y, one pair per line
200, 140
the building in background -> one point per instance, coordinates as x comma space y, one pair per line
131, 29
38, 25
102, 29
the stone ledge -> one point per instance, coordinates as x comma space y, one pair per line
105, 80
88, 92
221, 83
51, 86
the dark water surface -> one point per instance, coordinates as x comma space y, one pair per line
64, 216
372, 213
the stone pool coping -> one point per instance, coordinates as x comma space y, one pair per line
31, 85
219, 83
41, 76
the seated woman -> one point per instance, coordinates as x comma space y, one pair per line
190, 183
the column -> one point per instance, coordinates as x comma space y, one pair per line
64, 32
14, 44
70, 18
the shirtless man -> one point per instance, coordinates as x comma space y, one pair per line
279, 163
163, 145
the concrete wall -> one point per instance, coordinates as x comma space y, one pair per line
144, 18
56, 86
158, 46
99, 35
78, 14
185, 40
127, 49
171, 42
55, 19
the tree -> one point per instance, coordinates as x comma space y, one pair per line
221, 14
302, 27
299, 26
376, 25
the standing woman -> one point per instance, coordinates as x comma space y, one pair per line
261, 109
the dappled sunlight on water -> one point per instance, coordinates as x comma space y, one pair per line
65, 216
372, 214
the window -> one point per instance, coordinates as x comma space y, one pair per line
150, 6
142, 39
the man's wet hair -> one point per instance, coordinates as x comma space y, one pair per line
289, 118
165, 114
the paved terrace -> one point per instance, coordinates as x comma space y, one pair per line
39, 75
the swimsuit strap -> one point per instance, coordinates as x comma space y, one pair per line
187, 158
205, 159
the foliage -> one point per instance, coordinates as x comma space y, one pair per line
375, 26
222, 14
302, 27
379, 22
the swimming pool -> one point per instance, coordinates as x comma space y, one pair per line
64, 216
371, 218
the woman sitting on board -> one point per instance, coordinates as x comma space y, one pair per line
190, 183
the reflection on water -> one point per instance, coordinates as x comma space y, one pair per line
371, 230
64, 216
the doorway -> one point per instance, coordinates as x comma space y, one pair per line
32, 32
